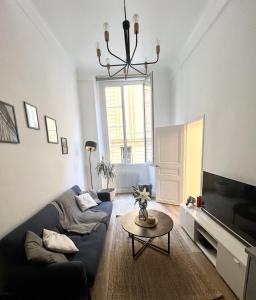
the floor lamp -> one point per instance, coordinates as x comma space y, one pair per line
90, 146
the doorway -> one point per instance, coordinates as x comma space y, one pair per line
193, 153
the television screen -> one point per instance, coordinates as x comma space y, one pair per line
232, 203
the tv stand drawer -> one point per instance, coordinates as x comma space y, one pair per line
231, 269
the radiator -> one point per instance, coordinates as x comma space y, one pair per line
125, 180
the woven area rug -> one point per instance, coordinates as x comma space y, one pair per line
186, 274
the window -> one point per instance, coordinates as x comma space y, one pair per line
129, 122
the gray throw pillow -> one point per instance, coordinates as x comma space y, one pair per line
36, 252
93, 195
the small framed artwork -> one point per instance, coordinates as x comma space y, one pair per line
8, 124
64, 145
31, 116
51, 128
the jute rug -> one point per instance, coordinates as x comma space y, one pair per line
154, 276
186, 274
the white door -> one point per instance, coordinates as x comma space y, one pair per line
169, 164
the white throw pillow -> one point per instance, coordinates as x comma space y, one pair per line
85, 201
58, 242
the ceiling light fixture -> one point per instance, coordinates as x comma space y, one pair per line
126, 63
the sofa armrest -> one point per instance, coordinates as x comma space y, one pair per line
103, 196
70, 277
67, 280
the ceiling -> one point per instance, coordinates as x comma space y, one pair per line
78, 25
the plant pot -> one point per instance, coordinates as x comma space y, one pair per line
111, 191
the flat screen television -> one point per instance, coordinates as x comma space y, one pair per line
232, 204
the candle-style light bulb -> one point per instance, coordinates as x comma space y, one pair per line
107, 61
106, 32
136, 18
136, 23
98, 49
106, 26
157, 47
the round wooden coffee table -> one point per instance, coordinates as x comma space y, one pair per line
164, 226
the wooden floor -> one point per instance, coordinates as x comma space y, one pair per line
186, 274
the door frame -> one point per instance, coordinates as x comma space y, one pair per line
200, 117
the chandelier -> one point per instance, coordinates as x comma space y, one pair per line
127, 63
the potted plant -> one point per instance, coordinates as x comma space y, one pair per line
107, 170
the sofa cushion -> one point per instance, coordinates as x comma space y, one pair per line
36, 252
93, 195
58, 242
90, 252
85, 201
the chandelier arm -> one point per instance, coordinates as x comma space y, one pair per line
137, 70
115, 72
104, 66
148, 63
116, 65
111, 53
135, 48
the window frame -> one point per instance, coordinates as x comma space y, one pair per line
104, 121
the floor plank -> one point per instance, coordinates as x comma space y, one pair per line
184, 275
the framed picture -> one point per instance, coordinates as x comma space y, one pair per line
51, 128
8, 124
64, 145
31, 116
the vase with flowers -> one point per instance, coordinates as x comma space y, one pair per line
141, 197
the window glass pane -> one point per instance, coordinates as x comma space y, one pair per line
113, 97
134, 123
148, 121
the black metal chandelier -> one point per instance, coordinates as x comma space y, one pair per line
128, 62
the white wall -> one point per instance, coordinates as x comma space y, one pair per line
219, 80
90, 115
34, 68
88, 95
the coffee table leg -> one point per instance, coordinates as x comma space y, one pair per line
168, 243
133, 251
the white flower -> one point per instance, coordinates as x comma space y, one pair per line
143, 196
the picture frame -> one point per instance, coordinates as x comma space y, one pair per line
64, 145
31, 116
51, 129
8, 124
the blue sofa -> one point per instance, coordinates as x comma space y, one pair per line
69, 280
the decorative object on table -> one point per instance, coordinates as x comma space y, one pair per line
127, 63
51, 128
64, 145
107, 170
31, 116
142, 197
90, 146
199, 201
148, 188
190, 201
8, 124
151, 220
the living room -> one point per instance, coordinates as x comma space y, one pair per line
183, 115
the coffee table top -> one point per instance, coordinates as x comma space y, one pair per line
164, 225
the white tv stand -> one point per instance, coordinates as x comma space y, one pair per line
223, 250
